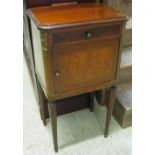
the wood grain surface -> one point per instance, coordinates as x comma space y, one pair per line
49, 17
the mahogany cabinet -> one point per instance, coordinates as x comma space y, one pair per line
76, 51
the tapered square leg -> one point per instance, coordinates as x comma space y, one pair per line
110, 107
92, 101
42, 103
53, 120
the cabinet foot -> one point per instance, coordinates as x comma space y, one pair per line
44, 122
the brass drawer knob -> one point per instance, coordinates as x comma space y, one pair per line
88, 35
57, 73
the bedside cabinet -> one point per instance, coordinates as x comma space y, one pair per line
76, 51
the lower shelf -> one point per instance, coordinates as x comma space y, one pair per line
71, 104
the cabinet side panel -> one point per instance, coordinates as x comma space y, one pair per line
38, 55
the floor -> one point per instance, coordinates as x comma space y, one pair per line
79, 133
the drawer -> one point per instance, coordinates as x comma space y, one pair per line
85, 64
85, 34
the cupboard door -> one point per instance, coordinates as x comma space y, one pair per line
85, 64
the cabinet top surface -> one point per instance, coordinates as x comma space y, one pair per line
60, 16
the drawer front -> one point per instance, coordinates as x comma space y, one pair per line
85, 34
86, 64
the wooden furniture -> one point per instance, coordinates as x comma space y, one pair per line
76, 51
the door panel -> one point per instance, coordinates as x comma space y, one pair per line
86, 64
